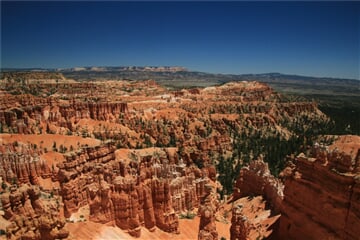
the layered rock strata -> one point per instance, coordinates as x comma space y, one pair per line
256, 179
207, 210
30, 218
322, 193
144, 190
240, 227
23, 165
26, 118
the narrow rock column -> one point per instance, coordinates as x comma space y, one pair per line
239, 229
207, 227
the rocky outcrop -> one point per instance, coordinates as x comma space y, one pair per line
165, 216
143, 190
101, 205
240, 227
30, 218
125, 201
256, 179
148, 216
207, 210
19, 115
79, 110
321, 196
75, 184
23, 164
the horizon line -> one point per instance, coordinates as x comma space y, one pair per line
59, 69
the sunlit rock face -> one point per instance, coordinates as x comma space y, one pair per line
30, 218
134, 153
256, 179
208, 207
322, 192
145, 191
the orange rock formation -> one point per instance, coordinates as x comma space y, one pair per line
322, 191
153, 157
255, 180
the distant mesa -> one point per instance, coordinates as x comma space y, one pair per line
126, 68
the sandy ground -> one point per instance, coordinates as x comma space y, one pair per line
52, 158
47, 184
81, 228
254, 209
90, 230
91, 125
349, 144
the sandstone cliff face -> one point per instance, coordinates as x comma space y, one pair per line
322, 195
256, 179
22, 164
29, 117
207, 209
144, 189
30, 218
165, 216
125, 201
240, 228
75, 175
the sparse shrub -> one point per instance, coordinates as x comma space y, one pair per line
226, 214
118, 145
199, 163
3, 185
188, 215
14, 181
63, 149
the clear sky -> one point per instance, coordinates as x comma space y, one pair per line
305, 38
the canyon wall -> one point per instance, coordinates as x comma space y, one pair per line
322, 192
30, 217
31, 116
208, 208
144, 189
23, 164
256, 179
240, 227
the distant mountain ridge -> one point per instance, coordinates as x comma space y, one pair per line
120, 70
180, 77
103, 69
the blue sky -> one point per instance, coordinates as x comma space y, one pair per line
305, 38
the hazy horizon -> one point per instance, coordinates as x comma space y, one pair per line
318, 39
